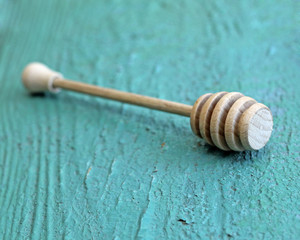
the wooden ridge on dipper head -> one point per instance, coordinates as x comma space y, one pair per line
229, 121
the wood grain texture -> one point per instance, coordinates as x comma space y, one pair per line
74, 167
195, 114
206, 116
254, 124
218, 119
231, 128
229, 122
125, 97
252, 134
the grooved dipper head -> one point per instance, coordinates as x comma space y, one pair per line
231, 121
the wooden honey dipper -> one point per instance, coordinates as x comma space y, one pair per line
229, 121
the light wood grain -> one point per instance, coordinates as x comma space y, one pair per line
229, 122
218, 119
232, 120
255, 126
207, 116
131, 98
38, 77
195, 114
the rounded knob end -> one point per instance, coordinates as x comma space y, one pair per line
38, 78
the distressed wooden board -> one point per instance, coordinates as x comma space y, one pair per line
76, 167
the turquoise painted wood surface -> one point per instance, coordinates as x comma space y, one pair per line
77, 167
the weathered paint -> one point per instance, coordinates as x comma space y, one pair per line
76, 167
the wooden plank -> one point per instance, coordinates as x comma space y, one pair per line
76, 167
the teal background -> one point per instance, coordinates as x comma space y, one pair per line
78, 167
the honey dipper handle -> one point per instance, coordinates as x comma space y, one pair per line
131, 98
